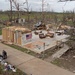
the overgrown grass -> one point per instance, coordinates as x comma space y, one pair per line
22, 49
56, 62
3, 17
34, 17
41, 56
1, 32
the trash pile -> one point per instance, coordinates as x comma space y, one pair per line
6, 65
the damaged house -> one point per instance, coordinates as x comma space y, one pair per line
16, 35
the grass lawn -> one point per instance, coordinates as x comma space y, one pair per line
48, 53
56, 62
0, 32
22, 49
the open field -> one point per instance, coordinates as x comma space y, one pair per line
37, 16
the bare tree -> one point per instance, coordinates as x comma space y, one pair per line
18, 8
11, 7
10, 15
10, 10
27, 4
17, 5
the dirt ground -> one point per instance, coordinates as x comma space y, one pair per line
67, 61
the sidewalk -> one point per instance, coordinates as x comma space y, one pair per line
30, 64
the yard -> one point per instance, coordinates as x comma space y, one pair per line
0, 32
67, 61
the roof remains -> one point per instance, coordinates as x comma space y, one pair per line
18, 28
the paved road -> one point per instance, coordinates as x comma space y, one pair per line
30, 64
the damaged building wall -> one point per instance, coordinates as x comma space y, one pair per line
16, 35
